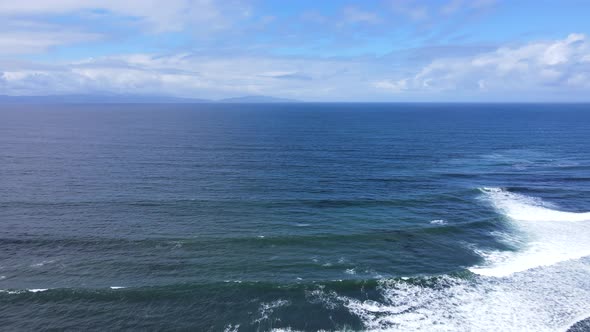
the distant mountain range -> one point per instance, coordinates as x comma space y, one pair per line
123, 99
257, 99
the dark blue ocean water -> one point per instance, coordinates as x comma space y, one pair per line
301, 217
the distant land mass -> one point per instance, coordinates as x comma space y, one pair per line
98, 99
124, 99
257, 99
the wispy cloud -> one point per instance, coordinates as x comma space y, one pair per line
556, 66
415, 10
186, 75
356, 15
288, 75
374, 50
454, 6
157, 16
25, 36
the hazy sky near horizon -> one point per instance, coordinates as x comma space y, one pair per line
380, 50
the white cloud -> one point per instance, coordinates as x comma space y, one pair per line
451, 7
23, 42
454, 6
159, 16
544, 69
555, 66
355, 15
415, 10
393, 86
20, 36
29, 27
192, 76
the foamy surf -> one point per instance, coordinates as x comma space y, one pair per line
547, 299
438, 222
543, 235
29, 290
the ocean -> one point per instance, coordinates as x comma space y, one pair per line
295, 217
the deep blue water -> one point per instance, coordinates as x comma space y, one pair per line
302, 217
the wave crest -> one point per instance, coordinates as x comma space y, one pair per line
547, 235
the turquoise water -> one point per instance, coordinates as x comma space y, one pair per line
302, 217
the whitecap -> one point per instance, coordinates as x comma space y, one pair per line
37, 290
546, 299
266, 309
232, 328
542, 285
350, 271
542, 234
438, 222
21, 291
43, 263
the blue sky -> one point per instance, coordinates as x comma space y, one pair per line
381, 50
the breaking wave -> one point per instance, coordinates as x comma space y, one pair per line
541, 285
540, 234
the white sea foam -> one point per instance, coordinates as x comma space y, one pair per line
546, 299
350, 271
21, 291
543, 285
266, 309
37, 290
232, 328
43, 263
544, 235
438, 222
116, 287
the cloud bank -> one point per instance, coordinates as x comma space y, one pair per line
389, 50
557, 66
